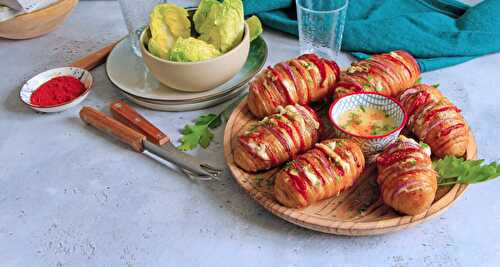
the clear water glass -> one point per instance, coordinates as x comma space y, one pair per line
136, 15
321, 25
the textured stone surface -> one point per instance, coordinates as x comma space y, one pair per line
71, 197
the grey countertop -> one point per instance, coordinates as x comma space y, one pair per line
71, 197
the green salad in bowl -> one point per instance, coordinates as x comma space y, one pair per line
214, 29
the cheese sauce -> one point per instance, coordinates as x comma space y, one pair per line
366, 121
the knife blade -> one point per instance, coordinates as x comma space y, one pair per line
139, 143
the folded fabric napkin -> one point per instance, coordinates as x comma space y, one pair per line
439, 33
12, 8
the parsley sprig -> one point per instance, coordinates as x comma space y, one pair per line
200, 132
454, 170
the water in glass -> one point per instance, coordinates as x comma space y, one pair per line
321, 25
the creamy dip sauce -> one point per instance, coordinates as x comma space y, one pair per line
366, 121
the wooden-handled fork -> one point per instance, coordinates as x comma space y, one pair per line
142, 136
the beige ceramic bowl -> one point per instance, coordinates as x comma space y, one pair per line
197, 76
37, 23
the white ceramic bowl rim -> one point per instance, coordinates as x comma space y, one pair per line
47, 72
401, 126
233, 50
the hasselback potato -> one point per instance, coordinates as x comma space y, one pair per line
406, 179
387, 74
277, 138
324, 171
435, 120
302, 80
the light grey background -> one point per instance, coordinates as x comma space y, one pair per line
69, 196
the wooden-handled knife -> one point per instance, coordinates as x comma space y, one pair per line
140, 143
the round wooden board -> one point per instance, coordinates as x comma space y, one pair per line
357, 211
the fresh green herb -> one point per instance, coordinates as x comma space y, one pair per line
199, 133
288, 165
362, 108
412, 162
338, 178
419, 81
435, 85
367, 86
423, 145
354, 119
376, 130
454, 170
379, 87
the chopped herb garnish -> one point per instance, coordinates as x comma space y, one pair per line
435, 85
362, 108
288, 165
423, 145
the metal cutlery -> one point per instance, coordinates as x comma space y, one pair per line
144, 136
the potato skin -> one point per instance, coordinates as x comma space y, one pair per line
435, 120
322, 172
277, 138
406, 178
302, 80
387, 74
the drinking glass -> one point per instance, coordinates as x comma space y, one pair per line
136, 15
321, 25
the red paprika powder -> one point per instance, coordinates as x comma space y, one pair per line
58, 90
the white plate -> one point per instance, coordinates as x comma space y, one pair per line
129, 74
158, 105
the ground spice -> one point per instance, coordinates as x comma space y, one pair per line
57, 91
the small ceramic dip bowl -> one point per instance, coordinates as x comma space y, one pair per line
34, 83
376, 141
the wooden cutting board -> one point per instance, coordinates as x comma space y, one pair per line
357, 211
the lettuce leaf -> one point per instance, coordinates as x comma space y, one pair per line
220, 24
167, 23
191, 49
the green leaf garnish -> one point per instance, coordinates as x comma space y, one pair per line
419, 81
435, 85
199, 133
453, 170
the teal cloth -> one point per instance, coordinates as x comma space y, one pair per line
439, 33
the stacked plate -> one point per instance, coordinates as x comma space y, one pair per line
131, 76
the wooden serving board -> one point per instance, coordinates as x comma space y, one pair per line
357, 211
